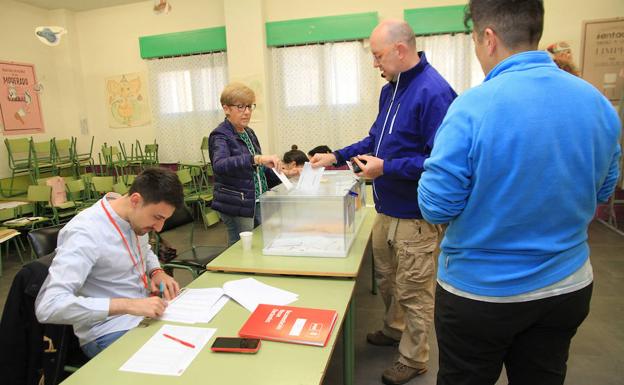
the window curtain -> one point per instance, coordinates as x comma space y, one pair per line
454, 58
185, 95
322, 94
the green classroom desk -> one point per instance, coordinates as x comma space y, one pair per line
276, 362
234, 259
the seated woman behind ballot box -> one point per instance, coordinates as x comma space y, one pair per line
293, 161
242, 173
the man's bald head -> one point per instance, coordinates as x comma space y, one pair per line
393, 46
395, 31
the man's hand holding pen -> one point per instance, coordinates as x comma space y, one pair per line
169, 289
163, 287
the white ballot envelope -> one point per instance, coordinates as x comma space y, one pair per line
287, 183
310, 178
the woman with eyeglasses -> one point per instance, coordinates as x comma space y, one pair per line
241, 171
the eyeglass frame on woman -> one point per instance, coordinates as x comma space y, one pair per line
244, 107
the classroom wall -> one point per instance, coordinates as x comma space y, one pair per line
53, 67
104, 42
99, 44
109, 46
563, 18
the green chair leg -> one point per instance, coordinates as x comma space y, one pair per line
21, 243
168, 268
19, 252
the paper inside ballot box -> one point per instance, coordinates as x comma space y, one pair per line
322, 227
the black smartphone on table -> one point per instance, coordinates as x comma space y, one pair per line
235, 345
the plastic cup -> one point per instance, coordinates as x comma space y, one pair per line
246, 238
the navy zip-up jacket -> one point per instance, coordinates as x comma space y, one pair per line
410, 112
234, 171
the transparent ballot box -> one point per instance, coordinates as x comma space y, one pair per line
322, 223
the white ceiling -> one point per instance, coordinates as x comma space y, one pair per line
77, 5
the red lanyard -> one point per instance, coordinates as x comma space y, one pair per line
141, 270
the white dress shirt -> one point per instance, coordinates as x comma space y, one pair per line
91, 266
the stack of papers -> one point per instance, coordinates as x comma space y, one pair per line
201, 305
170, 351
195, 305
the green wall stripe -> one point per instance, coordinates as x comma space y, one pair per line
436, 20
183, 43
321, 29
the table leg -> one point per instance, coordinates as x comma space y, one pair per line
369, 249
348, 344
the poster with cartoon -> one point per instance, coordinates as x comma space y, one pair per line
126, 101
20, 110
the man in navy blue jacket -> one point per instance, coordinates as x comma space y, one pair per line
411, 107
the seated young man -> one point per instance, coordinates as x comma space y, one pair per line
104, 270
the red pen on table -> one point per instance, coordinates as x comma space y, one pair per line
190, 345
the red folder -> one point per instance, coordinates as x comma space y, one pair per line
297, 325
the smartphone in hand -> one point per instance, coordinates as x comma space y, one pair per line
235, 345
356, 167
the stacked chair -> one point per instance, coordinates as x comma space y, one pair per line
19, 162
39, 158
82, 159
62, 156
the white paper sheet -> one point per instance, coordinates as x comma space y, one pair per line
310, 178
350, 165
216, 308
201, 305
287, 183
164, 356
250, 293
194, 305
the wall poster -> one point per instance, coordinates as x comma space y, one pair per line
20, 109
127, 103
602, 57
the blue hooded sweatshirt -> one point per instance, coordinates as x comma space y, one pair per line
410, 111
518, 166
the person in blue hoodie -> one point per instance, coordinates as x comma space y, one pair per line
411, 107
517, 169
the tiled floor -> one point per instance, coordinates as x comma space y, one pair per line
596, 356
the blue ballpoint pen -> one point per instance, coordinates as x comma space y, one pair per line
162, 290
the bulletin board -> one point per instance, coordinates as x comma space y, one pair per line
20, 109
602, 58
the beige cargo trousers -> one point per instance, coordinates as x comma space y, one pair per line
404, 251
